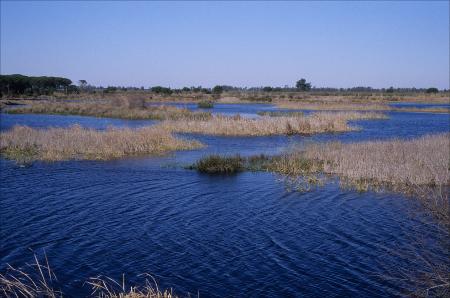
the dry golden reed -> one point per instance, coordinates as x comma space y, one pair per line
122, 108
332, 106
421, 161
26, 143
349, 106
39, 280
265, 126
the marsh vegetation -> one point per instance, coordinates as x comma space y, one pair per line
122, 108
206, 104
24, 143
39, 280
265, 126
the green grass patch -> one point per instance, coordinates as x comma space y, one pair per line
207, 104
216, 164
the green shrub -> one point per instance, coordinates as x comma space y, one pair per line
206, 104
216, 164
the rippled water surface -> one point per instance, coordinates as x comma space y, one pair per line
220, 236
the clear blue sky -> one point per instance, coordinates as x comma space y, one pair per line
335, 44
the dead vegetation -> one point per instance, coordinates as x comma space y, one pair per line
349, 106
119, 107
266, 125
38, 280
24, 143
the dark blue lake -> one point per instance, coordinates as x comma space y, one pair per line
219, 236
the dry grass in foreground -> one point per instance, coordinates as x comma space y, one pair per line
23, 143
40, 281
265, 126
122, 108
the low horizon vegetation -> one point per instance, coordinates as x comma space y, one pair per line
122, 108
25, 144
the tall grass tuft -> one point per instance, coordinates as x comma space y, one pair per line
206, 104
216, 164
38, 280
76, 142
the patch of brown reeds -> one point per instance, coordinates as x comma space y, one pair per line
349, 106
265, 126
418, 167
332, 106
24, 143
38, 280
422, 161
120, 107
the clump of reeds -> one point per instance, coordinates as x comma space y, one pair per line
284, 125
120, 107
437, 110
105, 287
422, 161
332, 106
26, 143
205, 104
349, 106
38, 280
216, 164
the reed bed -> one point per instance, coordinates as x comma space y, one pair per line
205, 104
39, 280
24, 143
349, 106
119, 108
422, 161
332, 106
280, 113
418, 167
266, 125
437, 110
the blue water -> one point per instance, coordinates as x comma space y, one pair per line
228, 109
219, 236
7, 121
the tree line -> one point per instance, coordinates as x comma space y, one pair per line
17, 84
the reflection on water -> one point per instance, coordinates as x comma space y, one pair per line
219, 235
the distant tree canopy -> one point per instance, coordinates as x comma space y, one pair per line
302, 85
17, 84
161, 90
390, 90
217, 89
268, 89
432, 90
